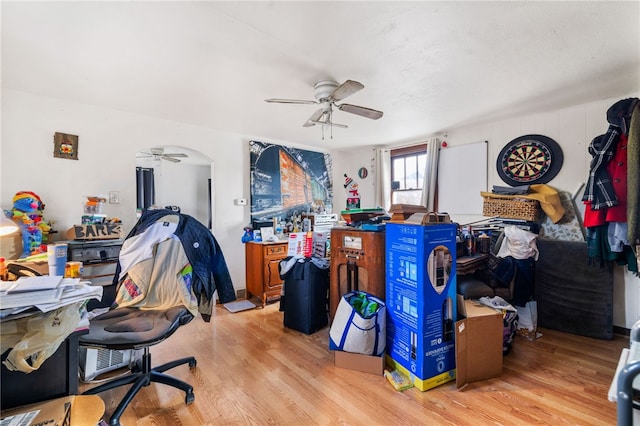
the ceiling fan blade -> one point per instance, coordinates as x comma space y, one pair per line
289, 101
347, 88
176, 155
360, 110
313, 119
173, 160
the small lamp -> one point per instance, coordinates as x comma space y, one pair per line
7, 226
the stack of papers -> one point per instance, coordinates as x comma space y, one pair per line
26, 284
45, 293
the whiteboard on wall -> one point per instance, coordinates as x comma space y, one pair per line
462, 175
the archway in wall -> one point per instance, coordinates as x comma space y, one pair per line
185, 183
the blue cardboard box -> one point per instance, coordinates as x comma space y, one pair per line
421, 301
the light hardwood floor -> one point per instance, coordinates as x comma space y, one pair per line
252, 370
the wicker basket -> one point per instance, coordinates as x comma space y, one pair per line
512, 208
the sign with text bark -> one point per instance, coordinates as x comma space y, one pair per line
103, 231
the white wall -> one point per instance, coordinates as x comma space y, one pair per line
350, 162
573, 128
108, 141
185, 186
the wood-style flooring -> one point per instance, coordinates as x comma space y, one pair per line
253, 371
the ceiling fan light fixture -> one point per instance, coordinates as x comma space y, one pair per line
322, 90
327, 93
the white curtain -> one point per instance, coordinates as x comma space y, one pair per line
430, 175
383, 177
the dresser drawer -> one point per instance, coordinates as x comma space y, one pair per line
275, 250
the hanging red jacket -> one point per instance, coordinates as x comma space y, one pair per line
617, 170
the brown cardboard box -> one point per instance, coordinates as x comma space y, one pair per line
106, 231
78, 410
308, 244
401, 212
478, 343
365, 363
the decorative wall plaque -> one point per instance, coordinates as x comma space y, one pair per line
65, 146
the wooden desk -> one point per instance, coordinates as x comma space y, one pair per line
56, 377
469, 264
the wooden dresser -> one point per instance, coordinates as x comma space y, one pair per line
262, 261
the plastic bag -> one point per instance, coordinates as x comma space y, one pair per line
518, 243
528, 320
509, 319
34, 339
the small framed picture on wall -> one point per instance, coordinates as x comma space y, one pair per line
65, 146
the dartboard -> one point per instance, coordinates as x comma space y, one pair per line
529, 159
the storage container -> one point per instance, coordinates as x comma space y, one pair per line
512, 208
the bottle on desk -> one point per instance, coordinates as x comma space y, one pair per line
4, 272
469, 243
484, 243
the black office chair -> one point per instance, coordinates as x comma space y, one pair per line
157, 294
134, 328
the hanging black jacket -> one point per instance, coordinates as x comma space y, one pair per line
210, 271
599, 189
524, 271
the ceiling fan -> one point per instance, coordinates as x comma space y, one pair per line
327, 94
159, 154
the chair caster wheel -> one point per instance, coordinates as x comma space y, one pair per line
192, 364
190, 397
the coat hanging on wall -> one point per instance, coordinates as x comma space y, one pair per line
612, 191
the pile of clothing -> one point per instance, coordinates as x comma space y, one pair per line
612, 193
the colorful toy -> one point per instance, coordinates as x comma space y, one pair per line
248, 234
353, 197
27, 213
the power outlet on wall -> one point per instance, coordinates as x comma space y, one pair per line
114, 197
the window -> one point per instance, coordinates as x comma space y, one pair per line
407, 174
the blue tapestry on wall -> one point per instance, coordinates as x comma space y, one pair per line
286, 182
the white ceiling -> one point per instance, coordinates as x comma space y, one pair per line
430, 66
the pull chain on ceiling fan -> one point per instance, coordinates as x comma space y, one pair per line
327, 94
